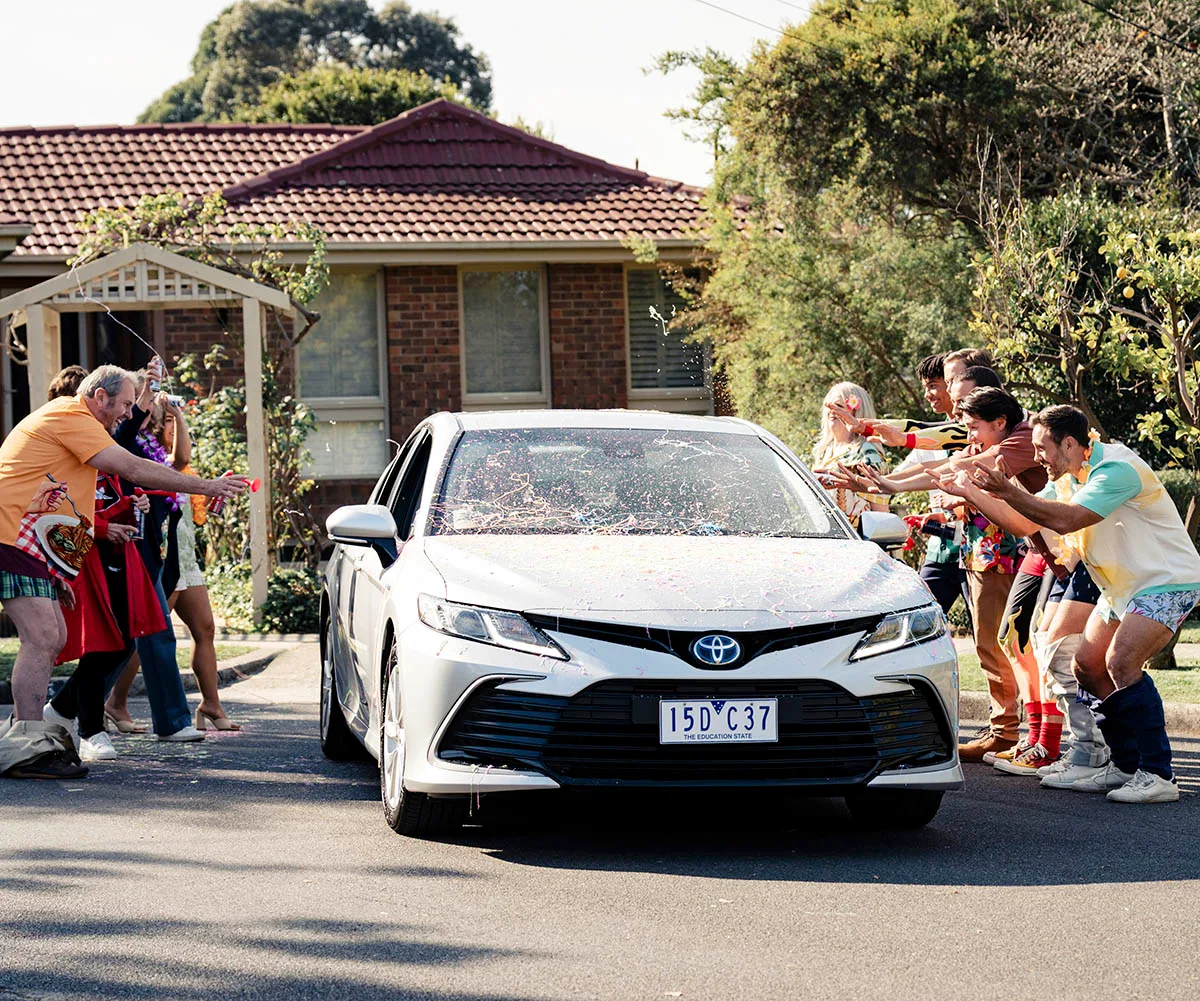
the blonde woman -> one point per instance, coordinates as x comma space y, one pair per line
167, 435
838, 444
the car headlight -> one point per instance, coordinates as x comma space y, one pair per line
902, 629
486, 625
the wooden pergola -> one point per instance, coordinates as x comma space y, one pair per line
144, 277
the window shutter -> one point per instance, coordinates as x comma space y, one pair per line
338, 363
502, 331
659, 359
339, 357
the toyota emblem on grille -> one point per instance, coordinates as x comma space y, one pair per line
716, 649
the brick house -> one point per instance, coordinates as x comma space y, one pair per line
473, 266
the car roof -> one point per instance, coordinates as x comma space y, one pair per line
650, 420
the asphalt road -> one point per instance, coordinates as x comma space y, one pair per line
250, 867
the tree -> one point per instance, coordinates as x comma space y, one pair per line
336, 93
1098, 304
1112, 94
832, 294
899, 97
859, 162
890, 96
256, 43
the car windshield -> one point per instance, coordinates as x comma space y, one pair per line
619, 481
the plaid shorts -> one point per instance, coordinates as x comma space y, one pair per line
16, 585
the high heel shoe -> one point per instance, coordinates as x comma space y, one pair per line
121, 725
203, 719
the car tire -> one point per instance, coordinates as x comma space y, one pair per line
894, 809
338, 742
414, 814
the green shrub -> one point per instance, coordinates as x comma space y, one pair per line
293, 602
231, 593
960, 621
293, 599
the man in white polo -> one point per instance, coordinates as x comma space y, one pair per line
1113, 511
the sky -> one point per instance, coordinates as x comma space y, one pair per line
575, 67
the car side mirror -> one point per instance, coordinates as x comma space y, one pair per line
369, 525
886, 530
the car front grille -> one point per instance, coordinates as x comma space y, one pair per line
608, 734
753, 643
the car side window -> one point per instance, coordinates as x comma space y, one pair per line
407, 497
385, 484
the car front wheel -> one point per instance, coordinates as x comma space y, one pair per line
894, 809
412, 813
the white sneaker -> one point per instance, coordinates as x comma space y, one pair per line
51, 715
1057, 767
1084, 778
97, 748
184, 735
1145, 787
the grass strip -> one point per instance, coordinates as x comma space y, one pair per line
225, 651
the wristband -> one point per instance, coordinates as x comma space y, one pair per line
868, 429
910, 440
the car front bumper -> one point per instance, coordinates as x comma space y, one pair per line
481, 719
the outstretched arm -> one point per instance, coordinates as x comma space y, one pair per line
1039, 511
993, 508
156, 476
866, 480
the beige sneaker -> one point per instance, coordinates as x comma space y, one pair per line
974, 750
1031, 761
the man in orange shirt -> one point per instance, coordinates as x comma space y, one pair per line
48, 467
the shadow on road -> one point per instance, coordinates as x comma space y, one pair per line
234, 956
337, 960
1001, 831
276, 760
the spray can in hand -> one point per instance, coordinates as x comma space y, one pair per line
154, 373
217, 504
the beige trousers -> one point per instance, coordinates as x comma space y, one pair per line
988, 593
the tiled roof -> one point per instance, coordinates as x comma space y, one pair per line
438, 173
51, 176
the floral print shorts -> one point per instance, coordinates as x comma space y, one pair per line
1169, 608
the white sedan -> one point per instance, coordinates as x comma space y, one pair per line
551, 599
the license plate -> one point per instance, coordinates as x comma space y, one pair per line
701, 721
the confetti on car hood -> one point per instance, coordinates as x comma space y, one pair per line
731, 583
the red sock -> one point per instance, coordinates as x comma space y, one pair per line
1050, 736
1033, 713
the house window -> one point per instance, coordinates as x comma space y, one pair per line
505, 356
341, 368
666, 370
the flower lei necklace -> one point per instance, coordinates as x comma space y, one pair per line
153, 450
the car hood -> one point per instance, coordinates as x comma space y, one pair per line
680, 581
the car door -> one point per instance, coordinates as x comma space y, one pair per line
343, 573
370, 576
